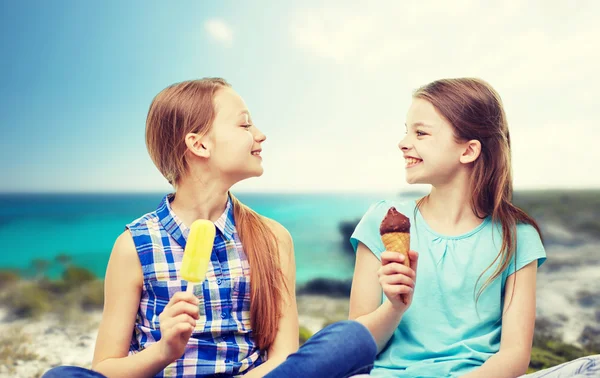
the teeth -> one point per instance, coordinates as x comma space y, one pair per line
411, 161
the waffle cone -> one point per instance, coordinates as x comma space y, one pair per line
397, 242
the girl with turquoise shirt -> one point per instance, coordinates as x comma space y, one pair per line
242, 320
466, 305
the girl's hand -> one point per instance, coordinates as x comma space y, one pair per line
398, 280
177, 321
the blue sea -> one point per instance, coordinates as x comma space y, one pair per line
85, 226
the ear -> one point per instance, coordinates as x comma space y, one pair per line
198, 145
471, 152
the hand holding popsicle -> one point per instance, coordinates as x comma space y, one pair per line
178, 319
198, 249
177, 322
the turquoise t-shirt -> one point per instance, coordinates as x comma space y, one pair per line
443, 333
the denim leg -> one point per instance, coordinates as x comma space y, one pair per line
582, 367
71, 372
341, 350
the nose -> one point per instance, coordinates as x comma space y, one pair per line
259, 137
404, 144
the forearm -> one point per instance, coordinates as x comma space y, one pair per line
144, 364
264, 368
504, 364
382, 323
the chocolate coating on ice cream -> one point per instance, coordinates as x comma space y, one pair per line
394, 221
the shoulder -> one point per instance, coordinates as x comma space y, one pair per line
124, 264
367, 229
143, 222
529, 247
529, 241
377, 211
281, 233
124, 247
527, 231
285, 244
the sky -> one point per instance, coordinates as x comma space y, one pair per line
328, 82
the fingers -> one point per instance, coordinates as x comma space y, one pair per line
396, 268
414, 259
395, 290
174, 322
391, 257
183, 329
183, 296
179, 308
180, 329
397, 279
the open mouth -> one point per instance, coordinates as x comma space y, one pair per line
256, 153
411, 162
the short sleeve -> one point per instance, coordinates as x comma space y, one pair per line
529, 248
367, 230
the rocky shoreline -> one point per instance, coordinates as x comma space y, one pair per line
568, 313
37, 345
32, 346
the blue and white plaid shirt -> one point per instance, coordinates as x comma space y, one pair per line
222, 341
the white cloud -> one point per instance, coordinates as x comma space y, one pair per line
556, 155
219, 31
522, 43
540, 56
548, 156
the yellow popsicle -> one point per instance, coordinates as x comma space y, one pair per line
198, 249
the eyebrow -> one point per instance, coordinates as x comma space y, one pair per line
421, 124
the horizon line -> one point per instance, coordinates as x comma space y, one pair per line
326, 191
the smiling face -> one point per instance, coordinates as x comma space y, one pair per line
431, 152
235, 143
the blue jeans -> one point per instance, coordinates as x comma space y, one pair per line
342, 349
583, 367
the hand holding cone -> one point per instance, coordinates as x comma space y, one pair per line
395, 235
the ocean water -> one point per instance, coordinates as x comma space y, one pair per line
85, 226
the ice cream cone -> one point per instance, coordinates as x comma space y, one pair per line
397, 242
395, 235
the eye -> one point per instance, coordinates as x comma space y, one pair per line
420, 133
247, 126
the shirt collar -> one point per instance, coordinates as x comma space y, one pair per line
179, 231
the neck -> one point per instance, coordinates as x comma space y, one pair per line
448, 208
199, 200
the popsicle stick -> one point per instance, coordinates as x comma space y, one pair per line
190, 287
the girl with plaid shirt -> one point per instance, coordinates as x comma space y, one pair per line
242, 320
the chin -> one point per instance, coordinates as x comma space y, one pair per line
254, 173
416, 180
411, 180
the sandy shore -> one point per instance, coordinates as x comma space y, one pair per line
47, 342
568, 296
568, 291
38, 345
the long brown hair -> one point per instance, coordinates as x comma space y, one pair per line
475, 111
188, 107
